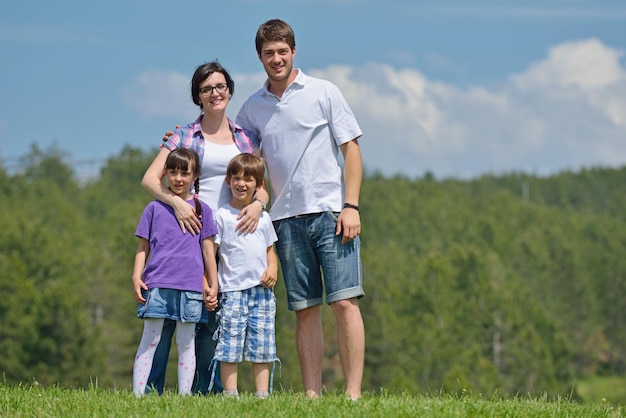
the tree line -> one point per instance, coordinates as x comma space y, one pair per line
503, 284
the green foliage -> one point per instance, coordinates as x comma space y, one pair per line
511, 284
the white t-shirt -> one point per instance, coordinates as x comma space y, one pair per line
300, 135
213, 190
242, 257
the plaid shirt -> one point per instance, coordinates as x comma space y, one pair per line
190, 136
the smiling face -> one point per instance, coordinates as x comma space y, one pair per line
243, 188
277, 58
214, 93
180, 181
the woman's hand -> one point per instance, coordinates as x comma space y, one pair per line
186, 216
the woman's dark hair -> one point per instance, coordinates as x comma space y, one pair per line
203, 72
181, 159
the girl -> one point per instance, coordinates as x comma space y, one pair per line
170, 283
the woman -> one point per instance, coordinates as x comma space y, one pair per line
216, 139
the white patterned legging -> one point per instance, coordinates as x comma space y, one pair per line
185, 334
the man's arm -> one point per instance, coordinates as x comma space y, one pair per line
349, 221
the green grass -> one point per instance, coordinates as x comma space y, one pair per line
36, 401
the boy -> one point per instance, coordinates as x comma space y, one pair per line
247, 273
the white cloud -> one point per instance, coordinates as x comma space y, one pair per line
564, 112
589, 65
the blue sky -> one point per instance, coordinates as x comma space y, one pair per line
458, 88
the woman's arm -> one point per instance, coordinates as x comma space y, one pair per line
185, 213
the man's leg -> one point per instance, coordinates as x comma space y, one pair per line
310, 346
303, 280
156, 379
351, 343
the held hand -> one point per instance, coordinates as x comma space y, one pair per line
138, 285
210, 299
249, 218
349, 222
187, 218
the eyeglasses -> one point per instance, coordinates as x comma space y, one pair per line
208, 90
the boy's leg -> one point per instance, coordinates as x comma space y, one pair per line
150, 338
156, 379
260, 344
230, 344
185, 333
261, 377
229, 377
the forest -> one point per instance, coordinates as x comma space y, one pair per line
503, 284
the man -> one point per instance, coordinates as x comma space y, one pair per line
303, 123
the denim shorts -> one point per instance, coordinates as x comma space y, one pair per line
247, 319
179, 305
307, 247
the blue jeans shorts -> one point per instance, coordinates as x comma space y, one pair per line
307, 247
179, 305
247, 321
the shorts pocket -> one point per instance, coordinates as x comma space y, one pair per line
190, 306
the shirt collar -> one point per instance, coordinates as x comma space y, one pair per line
300, 79
197, 129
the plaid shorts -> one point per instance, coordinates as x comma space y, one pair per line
247, 326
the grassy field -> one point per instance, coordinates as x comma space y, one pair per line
35, 401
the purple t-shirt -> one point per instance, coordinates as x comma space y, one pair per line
175, 258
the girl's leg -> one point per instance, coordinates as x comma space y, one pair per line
152, 328
185, 333
261, 378
229, 377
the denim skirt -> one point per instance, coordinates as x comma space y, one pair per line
179, 305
